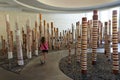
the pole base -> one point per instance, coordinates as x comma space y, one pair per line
84, 72
115, 72
93, 62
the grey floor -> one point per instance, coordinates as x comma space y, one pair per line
35, 71
49, 71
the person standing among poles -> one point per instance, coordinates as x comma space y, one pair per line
44, 49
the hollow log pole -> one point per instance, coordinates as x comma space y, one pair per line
84, 46
52, 36
66, 35
78, 48
48, 36
106, 42
108, 53
33, 40
40, 26
77, 30
69, 46
94, 37
91, 28
63, 39
12, 44
115, 43
98, 43
60, 39
24, 41
9, 39
55, 38
45, 29
101, 28
19, 47
72, 33
110, 29
88, 33
3, 45
29, 54
36, 39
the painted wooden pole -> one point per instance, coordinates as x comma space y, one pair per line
108, 53
66, 35
55, 38
115, 43
110, 27
12, 42
84, 46
23, 38
3, 45
94, 37
63, 40
29, 53
33, 40
52, 35
60, 39
72, 33
98, 33
91, 28
78, 48
36, 39
88, 33
69, 47
48, 36
44, 28
24, 41
78, 28
40, 26
101, 29
106, 42
9, 39
19, 47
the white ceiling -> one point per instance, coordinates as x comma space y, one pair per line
61, 6
74, 3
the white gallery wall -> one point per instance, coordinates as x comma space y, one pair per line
13, 16
62, 21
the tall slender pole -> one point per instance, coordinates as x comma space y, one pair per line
106, 42
52, 35
3, 45
36, 39
40, 26
115, 43
9, 39
12, 42
19, 46
29, 54
94, 37
72, 33
78, 48
48, 36
44, 28
84, 46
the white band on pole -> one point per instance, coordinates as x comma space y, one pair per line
10, 55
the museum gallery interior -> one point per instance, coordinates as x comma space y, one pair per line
59, 39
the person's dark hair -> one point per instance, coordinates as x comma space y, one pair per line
42, 39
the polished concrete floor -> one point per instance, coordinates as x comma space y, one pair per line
34, 71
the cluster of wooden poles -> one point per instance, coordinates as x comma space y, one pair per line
90, 34
28, 43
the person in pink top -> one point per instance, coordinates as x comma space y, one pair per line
44, 49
